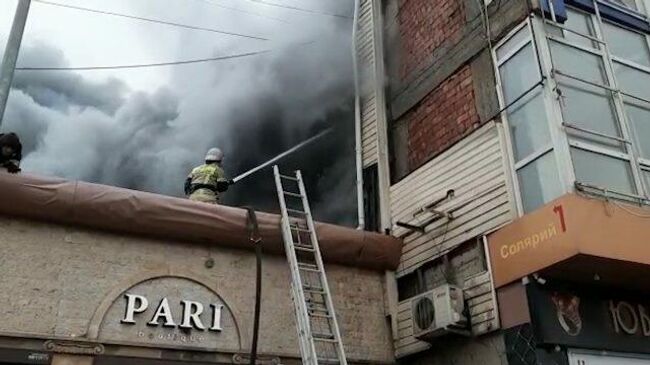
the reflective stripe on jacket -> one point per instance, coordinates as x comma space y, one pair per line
207, 174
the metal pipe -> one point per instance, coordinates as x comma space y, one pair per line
256, 239
357, 119
11, 53
282, 155
589, 131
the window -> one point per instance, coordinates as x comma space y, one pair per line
633, 81
639, 117
603, 171
408, 286
527, 120
463, 261
577, 23
539, 182
598, 98
578, 63
591, 108
627, 44
371, 198
646, 176
527, 117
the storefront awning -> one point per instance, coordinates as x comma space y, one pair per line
575, 237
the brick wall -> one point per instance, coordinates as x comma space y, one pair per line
424, 26
442, 118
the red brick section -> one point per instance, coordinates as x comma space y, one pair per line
442, 118
424, 26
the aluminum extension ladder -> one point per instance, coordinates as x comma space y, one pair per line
318, 330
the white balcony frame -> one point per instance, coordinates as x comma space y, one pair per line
561, 142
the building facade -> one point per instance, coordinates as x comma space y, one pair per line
98, 275
495, 113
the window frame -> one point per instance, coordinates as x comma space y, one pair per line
561, 141
515, 166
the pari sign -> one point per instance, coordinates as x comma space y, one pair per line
170, 311
192, 314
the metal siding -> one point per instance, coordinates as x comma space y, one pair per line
366, 52
474, 168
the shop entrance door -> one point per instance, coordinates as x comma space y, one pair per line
577, 358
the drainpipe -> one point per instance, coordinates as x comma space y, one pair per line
357, 118
256, 239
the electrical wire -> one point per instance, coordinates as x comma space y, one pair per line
150, 20
146, 65
629, 211
263, 2
213, 3
160, 64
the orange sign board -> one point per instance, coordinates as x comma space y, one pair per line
566, 227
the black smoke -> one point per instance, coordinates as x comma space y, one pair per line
253, 108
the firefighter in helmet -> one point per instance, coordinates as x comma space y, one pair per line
206, 182
10, 152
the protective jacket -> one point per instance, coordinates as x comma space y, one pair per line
205, 182
11, 163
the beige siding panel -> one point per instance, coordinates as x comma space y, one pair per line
479, 298
493, 186
447, 158
474, 169
406, 344
366, 52
470, 224
437, 176
461, 183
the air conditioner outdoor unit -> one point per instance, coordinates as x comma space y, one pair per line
439, 312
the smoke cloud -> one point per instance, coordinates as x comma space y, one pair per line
252, 108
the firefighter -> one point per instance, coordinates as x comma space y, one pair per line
206, 182
11, 152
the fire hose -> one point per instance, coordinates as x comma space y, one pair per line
282, 155
256, 239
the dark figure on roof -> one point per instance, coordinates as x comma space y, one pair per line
10, 152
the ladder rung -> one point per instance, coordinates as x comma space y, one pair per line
328, 361
320, 308
289, 177
330, 340
299, 229
315, 269
323, 336
319, 315
307, 266
315, 291
296, 211
303, 248
295, 195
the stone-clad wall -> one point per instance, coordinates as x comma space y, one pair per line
60, 282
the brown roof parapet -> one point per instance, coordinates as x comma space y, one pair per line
120, 210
